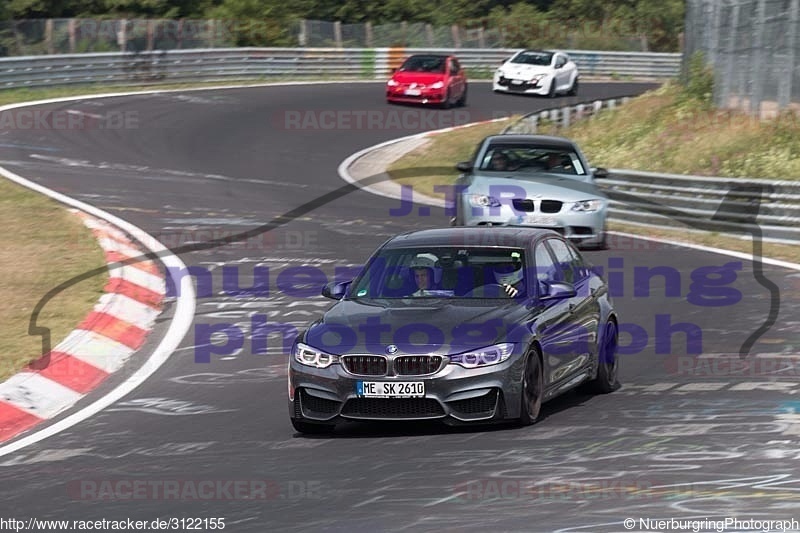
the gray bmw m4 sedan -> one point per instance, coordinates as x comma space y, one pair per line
466, 325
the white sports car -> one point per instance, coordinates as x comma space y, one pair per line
537, 72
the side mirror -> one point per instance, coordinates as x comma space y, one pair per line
557, 290
600, 173
464, 166
336, 290
393, 70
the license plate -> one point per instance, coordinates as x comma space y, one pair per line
390, 389
413, 92
537, 220
516, 82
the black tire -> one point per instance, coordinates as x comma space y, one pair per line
573, 91
532, 389
463, 100
607, 379
552, 92
446, 102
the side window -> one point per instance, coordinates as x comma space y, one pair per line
579, 265
455, 68
545, 268
564, 260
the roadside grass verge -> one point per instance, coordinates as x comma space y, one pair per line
43, 246
664, 130
443, 150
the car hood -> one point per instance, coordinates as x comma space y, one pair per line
436, 326
522, 71
425, 78
555, 186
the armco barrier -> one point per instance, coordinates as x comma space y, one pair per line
226, 64
767, 208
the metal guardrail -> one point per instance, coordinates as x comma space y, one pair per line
770, 209
221, 64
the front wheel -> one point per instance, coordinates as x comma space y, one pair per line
532, 389
463, 100
607, 379
574, 89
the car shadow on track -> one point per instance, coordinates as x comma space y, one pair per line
416, 428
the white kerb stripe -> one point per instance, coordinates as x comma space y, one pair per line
37, 395
139, 277
112, 232
124, 308
111, 245
95, 349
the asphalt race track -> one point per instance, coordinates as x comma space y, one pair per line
685, 438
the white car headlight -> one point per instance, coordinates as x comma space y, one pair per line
392, 83
437, 85
306, 355
491, 355
482, 200
587, 206
538, 77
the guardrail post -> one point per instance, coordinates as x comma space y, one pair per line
786, 95
429, 34
48, 36
302, 36
71, 31
756, 94
597, 105
368, 34
579, 111
565, 117
456, 35
151, 30
122, 38
337, 33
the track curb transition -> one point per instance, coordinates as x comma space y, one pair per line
107, 337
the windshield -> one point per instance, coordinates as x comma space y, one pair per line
531, 158
443, 272
424, 64
533, 58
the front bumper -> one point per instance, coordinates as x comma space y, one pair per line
542, 87
580, 227
454, 394
425, 96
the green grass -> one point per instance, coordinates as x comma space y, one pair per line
665, 130
43, 246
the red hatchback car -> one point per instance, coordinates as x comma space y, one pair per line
428, 79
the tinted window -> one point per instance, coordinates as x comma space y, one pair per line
533, 58
424, 64
545, 268
565, 260
441, 272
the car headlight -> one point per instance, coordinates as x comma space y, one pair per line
538, 77
491, 355
392, 83
482, 200
306, 355
587, 206
437, 85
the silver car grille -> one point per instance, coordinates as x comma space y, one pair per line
545, 206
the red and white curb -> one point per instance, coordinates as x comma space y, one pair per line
109, 335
